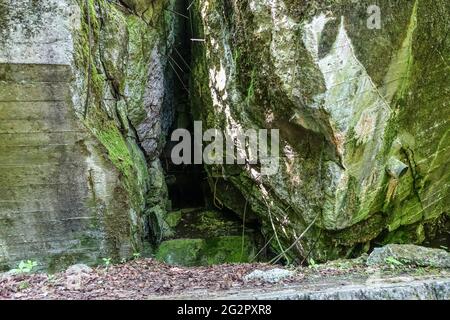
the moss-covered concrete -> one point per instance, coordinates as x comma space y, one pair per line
113, 60
193, 223
207, 237
84, 102
181, 251
71, 97
198, 252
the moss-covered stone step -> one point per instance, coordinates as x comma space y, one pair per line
205, 237
36, 155
204, 252
40, 139
194, 223
48, 91
33, 72
34, 110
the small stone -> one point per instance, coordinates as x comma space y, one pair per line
7, 275
74, 282
409, 254
78, 269
271, 276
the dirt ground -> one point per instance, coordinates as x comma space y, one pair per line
149, 279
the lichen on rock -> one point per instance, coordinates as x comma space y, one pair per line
356, 162
87, 99
82, 56
408, 254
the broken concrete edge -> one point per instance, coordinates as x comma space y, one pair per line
425, 289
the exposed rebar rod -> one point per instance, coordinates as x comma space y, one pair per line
192, 3
179, 77
182, 59
175, 12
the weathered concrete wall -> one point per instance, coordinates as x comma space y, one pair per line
52, 173
362, 113
79, 81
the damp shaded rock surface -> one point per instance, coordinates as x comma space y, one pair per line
362, 114
188, 223
86, 102
205, 237
204, 252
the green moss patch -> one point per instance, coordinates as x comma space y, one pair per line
205, 252
184, 252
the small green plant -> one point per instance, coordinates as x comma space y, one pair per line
50, 278
312, 263
393, 262
136, 255
107, 262
25, 267
421, 271
24, 285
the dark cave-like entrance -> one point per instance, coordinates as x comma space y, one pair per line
195, 230
187, 184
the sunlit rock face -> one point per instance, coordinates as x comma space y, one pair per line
81, 103
363, 116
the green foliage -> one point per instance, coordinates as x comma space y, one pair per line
312, 263
136, 255
393, 262
24, 285
50, 278
25, 267
107, 262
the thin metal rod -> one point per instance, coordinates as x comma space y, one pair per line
189, 8
181, 57
176, 63
179, 78
180, 14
